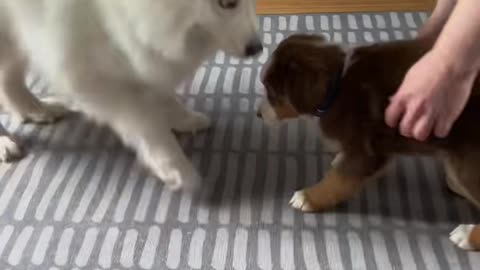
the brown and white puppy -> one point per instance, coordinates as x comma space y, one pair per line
349, 93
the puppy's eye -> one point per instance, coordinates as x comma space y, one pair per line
228, 4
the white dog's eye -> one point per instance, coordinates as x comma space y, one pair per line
228, 4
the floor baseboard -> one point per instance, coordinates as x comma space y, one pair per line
340, 6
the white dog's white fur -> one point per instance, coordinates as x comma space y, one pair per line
119, 61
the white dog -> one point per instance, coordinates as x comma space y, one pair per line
120, 61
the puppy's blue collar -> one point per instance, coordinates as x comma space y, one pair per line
333, 89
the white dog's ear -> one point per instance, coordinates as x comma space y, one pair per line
228, 4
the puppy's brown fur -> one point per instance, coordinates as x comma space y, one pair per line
296, 80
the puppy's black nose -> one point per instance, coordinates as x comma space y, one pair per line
254, 47
259, 115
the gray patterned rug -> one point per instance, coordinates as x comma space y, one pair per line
79, 201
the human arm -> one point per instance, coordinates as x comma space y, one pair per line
436, 89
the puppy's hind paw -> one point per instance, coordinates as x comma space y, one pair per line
460, 236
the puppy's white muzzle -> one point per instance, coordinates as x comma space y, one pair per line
267, 113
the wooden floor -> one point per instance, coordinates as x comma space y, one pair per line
325, 6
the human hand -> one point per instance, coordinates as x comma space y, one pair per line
430, 99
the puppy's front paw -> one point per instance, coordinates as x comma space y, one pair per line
313, 199
339, 157
193, 122
460, 236
178, 175
9, 149
300, 201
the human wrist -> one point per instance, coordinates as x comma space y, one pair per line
455, 64
460, 50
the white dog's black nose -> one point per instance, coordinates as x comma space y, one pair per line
254, 47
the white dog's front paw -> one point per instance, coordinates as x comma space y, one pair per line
9, 149
178, 175
49, 111
193, 122
461, 236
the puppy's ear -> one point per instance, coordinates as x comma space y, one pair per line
304, 81
294, 67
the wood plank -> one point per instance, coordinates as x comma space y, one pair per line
340, 6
